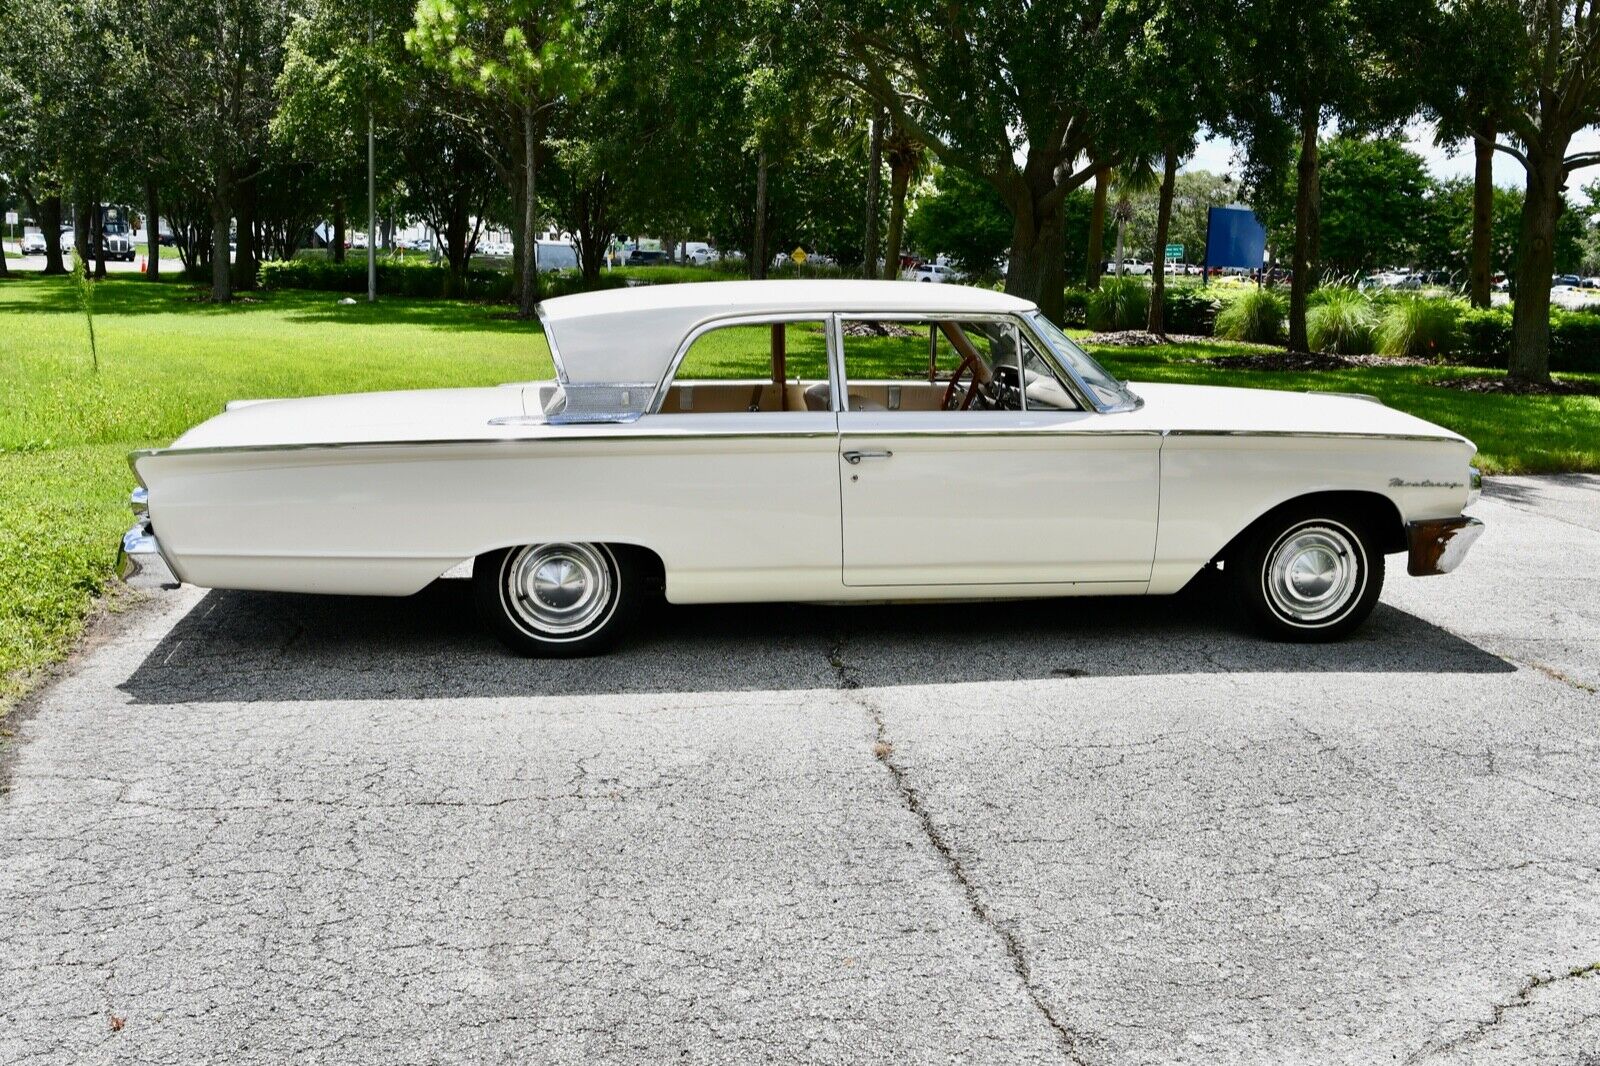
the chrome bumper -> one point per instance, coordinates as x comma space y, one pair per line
140, 551
1439, 545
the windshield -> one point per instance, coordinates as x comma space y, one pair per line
1108, 391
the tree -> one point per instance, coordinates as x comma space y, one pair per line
904, 154
963, 217
219, 62
1472, 104
1013, 93
1371, 192
521, 55
1308, 62
1551, 51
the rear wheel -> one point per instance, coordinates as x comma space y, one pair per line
557, 600
1310, 575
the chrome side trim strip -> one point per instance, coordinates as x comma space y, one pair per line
999, 432
488, 442
1310, 434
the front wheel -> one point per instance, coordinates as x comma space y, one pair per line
1310, 576
558, 600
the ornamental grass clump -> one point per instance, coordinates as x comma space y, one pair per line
1419, 326
1341, 321
1255, 315
1119, 303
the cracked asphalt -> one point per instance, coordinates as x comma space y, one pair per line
262, 829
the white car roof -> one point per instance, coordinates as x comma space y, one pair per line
629, 336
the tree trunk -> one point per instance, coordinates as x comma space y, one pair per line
1307, 205
5, 271
528, 293
1157, 322
80, 232
336, 253
48, 213
221, 277
152, 230
1542, 204
899, 182
1097, 229
244, 257
869, 243
1122, 226
1482, 212
1037, 269
97, 226
758, 243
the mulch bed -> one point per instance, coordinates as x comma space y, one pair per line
1139, 338
1496, 383
858, 328
1300, 361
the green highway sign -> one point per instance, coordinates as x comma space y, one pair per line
1174, 251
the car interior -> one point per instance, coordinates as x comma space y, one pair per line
937, 365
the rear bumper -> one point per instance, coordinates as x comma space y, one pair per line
139, 553
1438, 546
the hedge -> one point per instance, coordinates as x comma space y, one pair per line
395, 278
1486, 339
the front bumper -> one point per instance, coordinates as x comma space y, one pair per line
1438, 546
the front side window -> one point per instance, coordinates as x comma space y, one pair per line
1108, 391
940, 364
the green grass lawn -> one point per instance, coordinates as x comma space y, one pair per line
168, 362
1514, 434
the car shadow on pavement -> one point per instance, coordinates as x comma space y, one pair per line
249, 646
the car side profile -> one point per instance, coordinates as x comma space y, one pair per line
900, 442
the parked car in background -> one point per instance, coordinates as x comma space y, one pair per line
1570, 280
33, 243
641, 257
973, 451
1135, 267
937, 273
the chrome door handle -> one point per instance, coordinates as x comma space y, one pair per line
853, 457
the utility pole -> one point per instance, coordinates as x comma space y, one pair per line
372, 188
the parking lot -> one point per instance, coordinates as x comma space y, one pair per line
250, 828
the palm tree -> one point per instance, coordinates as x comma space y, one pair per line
905, 154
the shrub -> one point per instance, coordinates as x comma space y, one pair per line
1426, 326
1340, 320
1574, 341
1119, 303
1187, 309
1075, 308
1485, 337
1253, 315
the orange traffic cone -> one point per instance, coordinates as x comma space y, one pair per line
141, 264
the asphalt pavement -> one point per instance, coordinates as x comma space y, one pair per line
246, 828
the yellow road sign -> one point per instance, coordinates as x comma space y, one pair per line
798, 255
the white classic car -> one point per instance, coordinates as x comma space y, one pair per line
809, 441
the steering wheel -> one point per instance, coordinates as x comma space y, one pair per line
971, 362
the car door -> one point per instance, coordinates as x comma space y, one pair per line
992, 497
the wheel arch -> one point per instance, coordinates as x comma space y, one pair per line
1378, 514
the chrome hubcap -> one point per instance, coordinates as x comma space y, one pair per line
1313, 573
558, 588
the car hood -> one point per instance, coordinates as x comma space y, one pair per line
359, 418
1217, 409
